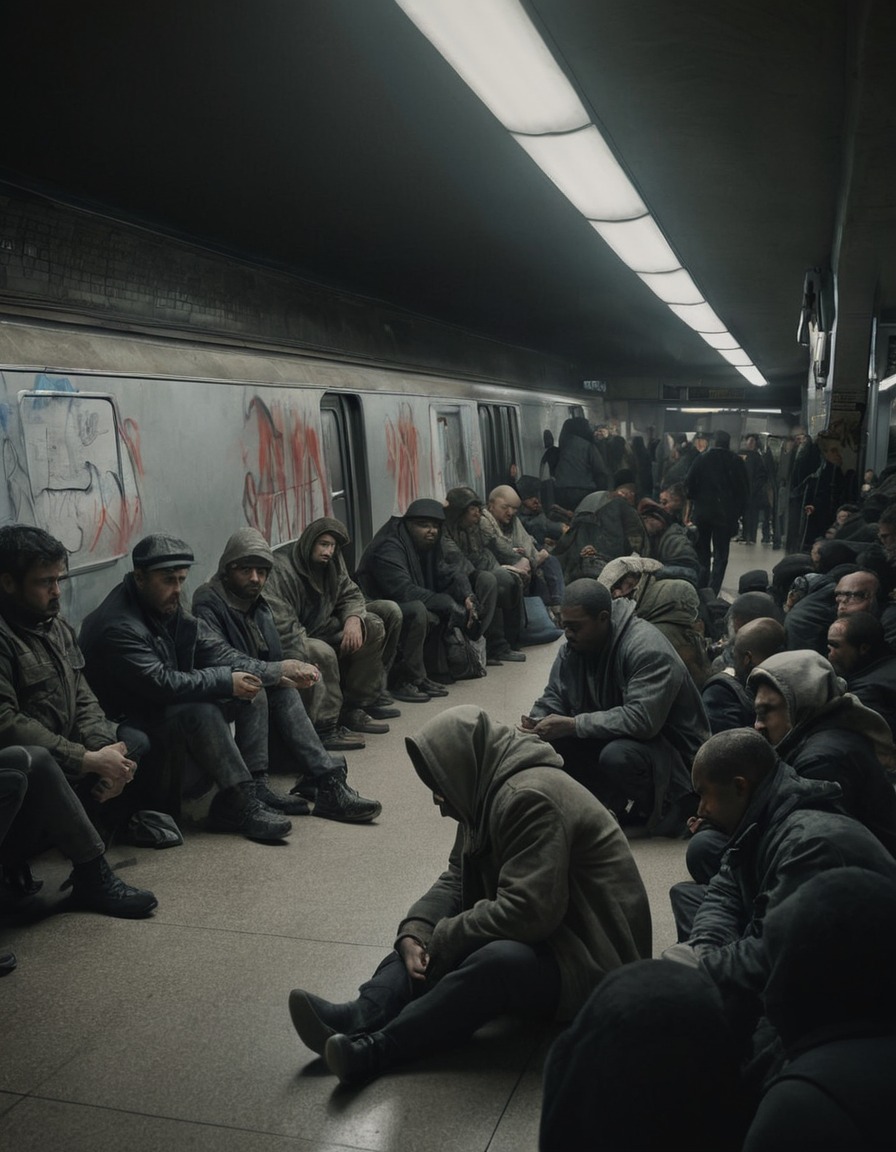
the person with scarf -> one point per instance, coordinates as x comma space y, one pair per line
233, 605
541, 898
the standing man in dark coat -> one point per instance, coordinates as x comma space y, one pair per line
717, 487
234, 607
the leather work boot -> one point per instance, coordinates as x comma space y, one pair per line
431, 688
355, 1059
238, 809
96, 888
409, 693
291, 805
337, 800
357, 720
316, 1019
383, 708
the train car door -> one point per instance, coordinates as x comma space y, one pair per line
500, 435
342, 426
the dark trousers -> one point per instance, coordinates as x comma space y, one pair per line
685, 899
201, 731
275, 725
704, 855
713, 546
39, 809
501, 978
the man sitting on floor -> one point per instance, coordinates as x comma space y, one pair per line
860, 654
622, 710
540, 899
150, 660
234, 607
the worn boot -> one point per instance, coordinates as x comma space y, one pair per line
96, 888
238, 809
291, 805
316, 1019
337, 800
356, 1059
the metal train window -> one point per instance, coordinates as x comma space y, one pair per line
451, 464
73, 458
500, 436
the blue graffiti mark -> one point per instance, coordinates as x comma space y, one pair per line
45, 383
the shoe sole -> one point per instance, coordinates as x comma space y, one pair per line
118, 913
265, 838
343, 819
312, 1031
338, 1060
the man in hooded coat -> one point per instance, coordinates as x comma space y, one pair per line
540, 899
234, 607
323, 617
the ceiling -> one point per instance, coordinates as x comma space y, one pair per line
329, 138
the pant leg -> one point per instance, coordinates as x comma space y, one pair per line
289, 720
686, 899
410, 666
251, 732
510, 605
704, 854
393, 620
553, 578
704, 550
14, 767
500, 978
721, 546
323, 701
201, 730
362, 671
485, 589
50, 814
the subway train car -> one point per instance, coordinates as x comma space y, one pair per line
198, 443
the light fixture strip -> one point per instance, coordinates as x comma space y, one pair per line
498, 52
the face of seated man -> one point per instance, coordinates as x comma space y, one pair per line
504, 507
160, 590
772, 714
471, 517
245, 579
844, 657
323, 549
585, 634
856, 593
37, 594
424, 532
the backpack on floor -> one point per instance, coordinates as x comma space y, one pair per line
466, 657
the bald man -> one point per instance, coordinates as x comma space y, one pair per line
500, 517
726, 698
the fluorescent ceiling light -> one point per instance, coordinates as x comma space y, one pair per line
494, 47
719, 340
735, 356
639, 243
587, 173
700, 317
887, 383
754, 376
673, 287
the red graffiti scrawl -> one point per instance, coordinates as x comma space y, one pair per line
403, 460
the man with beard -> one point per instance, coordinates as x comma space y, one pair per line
151, 660
405, 562
233, 606
323, 617
45, 701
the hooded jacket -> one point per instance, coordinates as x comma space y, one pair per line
310, 599
537, 858
834, 737
247, 625
792, 830
608, 524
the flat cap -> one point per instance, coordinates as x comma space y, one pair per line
162, 551
425, 510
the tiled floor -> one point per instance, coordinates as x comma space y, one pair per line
173, 1032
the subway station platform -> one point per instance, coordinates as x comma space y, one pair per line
174, 1033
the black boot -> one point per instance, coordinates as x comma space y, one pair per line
356, 1059
291, 805
96, 888
238, 809
316, 1020
336, 800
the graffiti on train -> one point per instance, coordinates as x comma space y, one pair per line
72, 468
285, 486
402, 444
